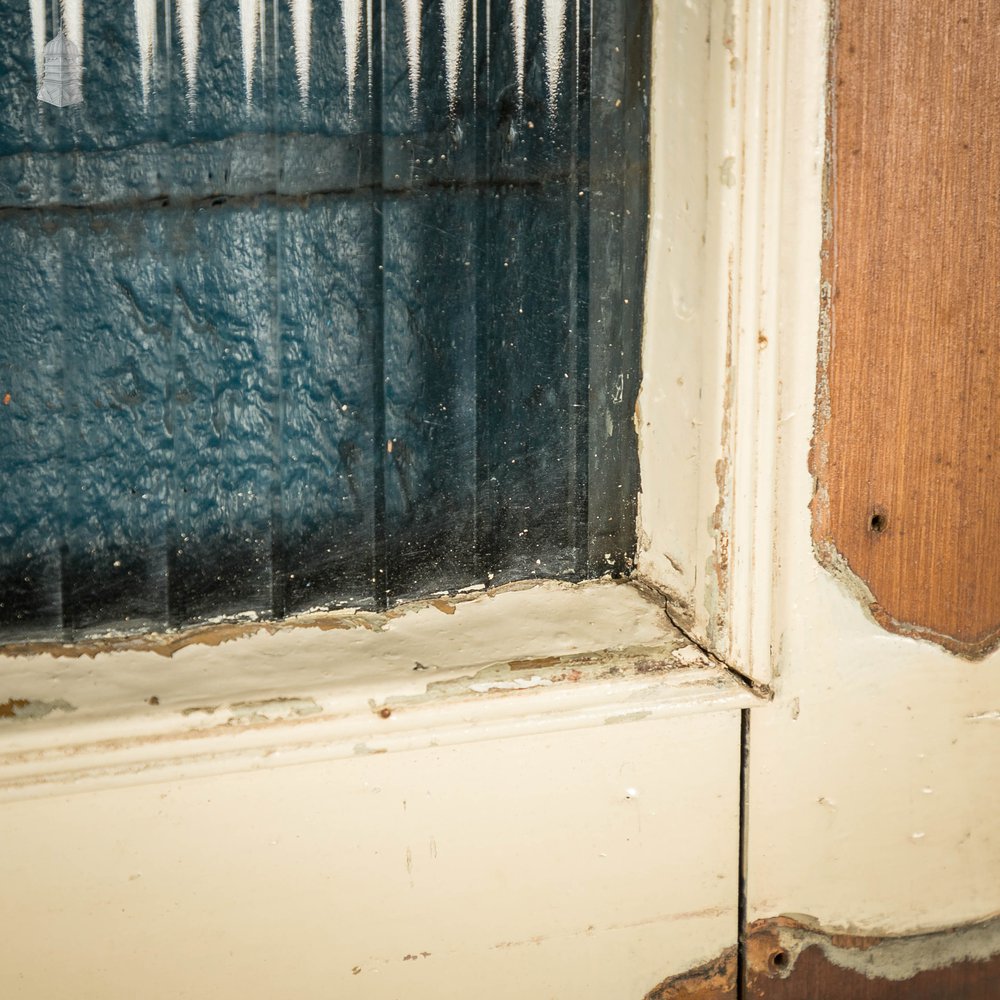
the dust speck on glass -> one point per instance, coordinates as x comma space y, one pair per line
314, 303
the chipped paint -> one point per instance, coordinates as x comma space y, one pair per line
30, 708
719, 569
984, 717
637, 716
713, 980
216, 633
570, 655
264, 710
161, 643
536, 663
274, 708
518, 684
621, 664
690, 656
169, 643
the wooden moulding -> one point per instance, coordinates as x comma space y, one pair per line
907, 449
791, 958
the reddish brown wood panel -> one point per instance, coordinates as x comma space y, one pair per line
789, 961
794, 958
817, 979
908, 435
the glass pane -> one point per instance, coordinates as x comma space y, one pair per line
313, 303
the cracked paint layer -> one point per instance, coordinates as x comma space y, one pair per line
499, 680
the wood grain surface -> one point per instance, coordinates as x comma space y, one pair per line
789, 960
908, 427
816, 978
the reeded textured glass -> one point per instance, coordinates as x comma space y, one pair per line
315, 303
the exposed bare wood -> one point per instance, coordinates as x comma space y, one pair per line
715, 980
906, 455
790, 959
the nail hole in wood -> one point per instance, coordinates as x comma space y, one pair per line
778, 960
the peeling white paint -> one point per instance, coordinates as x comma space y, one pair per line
145, 31
453, 15
302, 13
356, 19
189, 26
519, 684
249, 33
587, 648
72, 22
689, 656
350, 13
38, 36
487, 36
31, 708
262, 31
275, 708
554, 19
412, 14
637, 716
519, 25
883, 715
369, 29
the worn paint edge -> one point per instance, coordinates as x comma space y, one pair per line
281, 731
232, 628
774, 945
714, 980
137, 718
658, 593
740, 624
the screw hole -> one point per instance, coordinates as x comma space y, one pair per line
778, 959
878, 522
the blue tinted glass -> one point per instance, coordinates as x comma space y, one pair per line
314, 303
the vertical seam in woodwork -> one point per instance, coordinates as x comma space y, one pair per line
279, 576
579, 170
485, 548
741, 901
380, 568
